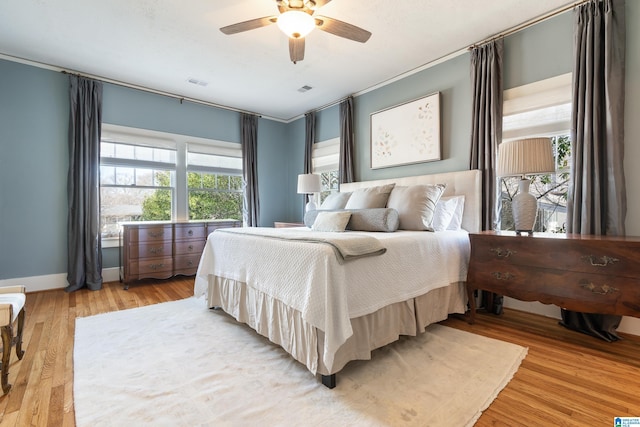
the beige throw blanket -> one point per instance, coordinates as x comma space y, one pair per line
347, 246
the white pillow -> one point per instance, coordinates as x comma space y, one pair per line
445, 211
331, 221
335, 201
415, 205
368, 198
456, 219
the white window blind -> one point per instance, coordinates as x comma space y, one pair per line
542, 108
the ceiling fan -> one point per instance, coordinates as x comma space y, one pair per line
296, 20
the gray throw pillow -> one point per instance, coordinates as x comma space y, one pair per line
335, 201
415, 205
378, 219
372, 197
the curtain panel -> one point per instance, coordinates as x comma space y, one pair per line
597, 202
346, 171
84, 247
249, 142
486, 125
486, 134
309, 140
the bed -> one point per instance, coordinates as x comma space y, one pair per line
324, 308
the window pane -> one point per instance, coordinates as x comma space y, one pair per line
215, 205
118, 204
214, 161
211, 196
115, 150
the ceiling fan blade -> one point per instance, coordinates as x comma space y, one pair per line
296, 49
320, 3
342, 29
251, 24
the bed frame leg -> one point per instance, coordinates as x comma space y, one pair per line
329, 381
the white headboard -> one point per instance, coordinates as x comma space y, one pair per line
467, 183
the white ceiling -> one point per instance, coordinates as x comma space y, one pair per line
161, 44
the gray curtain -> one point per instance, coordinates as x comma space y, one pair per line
486, 125
249, 141
345, 168
84, 247
309, 140
597, 202
486, 134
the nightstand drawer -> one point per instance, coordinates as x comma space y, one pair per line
581, 255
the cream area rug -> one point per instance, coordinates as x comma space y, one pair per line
181, 364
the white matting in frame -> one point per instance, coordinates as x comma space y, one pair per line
406, 133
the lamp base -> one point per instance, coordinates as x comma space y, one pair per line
525, 208
311, 205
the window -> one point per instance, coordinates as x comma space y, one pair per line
540, 109
325, 159
155, 176
214, 182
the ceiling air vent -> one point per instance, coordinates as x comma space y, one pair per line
197, 82
305, 88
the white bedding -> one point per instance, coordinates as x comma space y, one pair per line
309, 278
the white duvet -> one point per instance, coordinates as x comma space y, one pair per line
308, 277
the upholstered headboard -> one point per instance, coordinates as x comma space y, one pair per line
467, 183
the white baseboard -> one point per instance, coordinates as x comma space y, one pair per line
628, 325
55, 281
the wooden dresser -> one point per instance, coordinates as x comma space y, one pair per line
591, 274
159, 250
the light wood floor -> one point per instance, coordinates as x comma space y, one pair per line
566, 379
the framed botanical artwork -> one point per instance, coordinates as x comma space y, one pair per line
406, 133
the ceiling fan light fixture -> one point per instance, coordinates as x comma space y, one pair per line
296, 24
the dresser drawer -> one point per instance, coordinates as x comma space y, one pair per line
190, 231
150, 250
187, 247
148, 233
186, 264
152, 267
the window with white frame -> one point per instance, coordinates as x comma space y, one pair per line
325, 161
214, 178
156, 176
540, 109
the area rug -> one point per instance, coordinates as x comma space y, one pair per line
181, 364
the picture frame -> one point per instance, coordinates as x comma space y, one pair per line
406, 133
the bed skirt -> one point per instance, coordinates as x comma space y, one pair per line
285, 326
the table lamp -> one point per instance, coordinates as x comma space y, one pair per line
531, 156
309, 183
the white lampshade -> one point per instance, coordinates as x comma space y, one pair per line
309, 183
529, 156
522, 157
296, 24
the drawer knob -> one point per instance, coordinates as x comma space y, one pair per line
190, 247
503, 276
190, 232
603, 261
503, 253
155, 250
600, 290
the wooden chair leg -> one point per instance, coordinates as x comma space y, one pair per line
7, 336
19, 350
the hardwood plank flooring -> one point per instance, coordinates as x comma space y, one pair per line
567, 378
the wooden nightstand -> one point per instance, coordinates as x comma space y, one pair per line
591, 274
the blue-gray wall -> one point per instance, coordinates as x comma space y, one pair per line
33, 137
